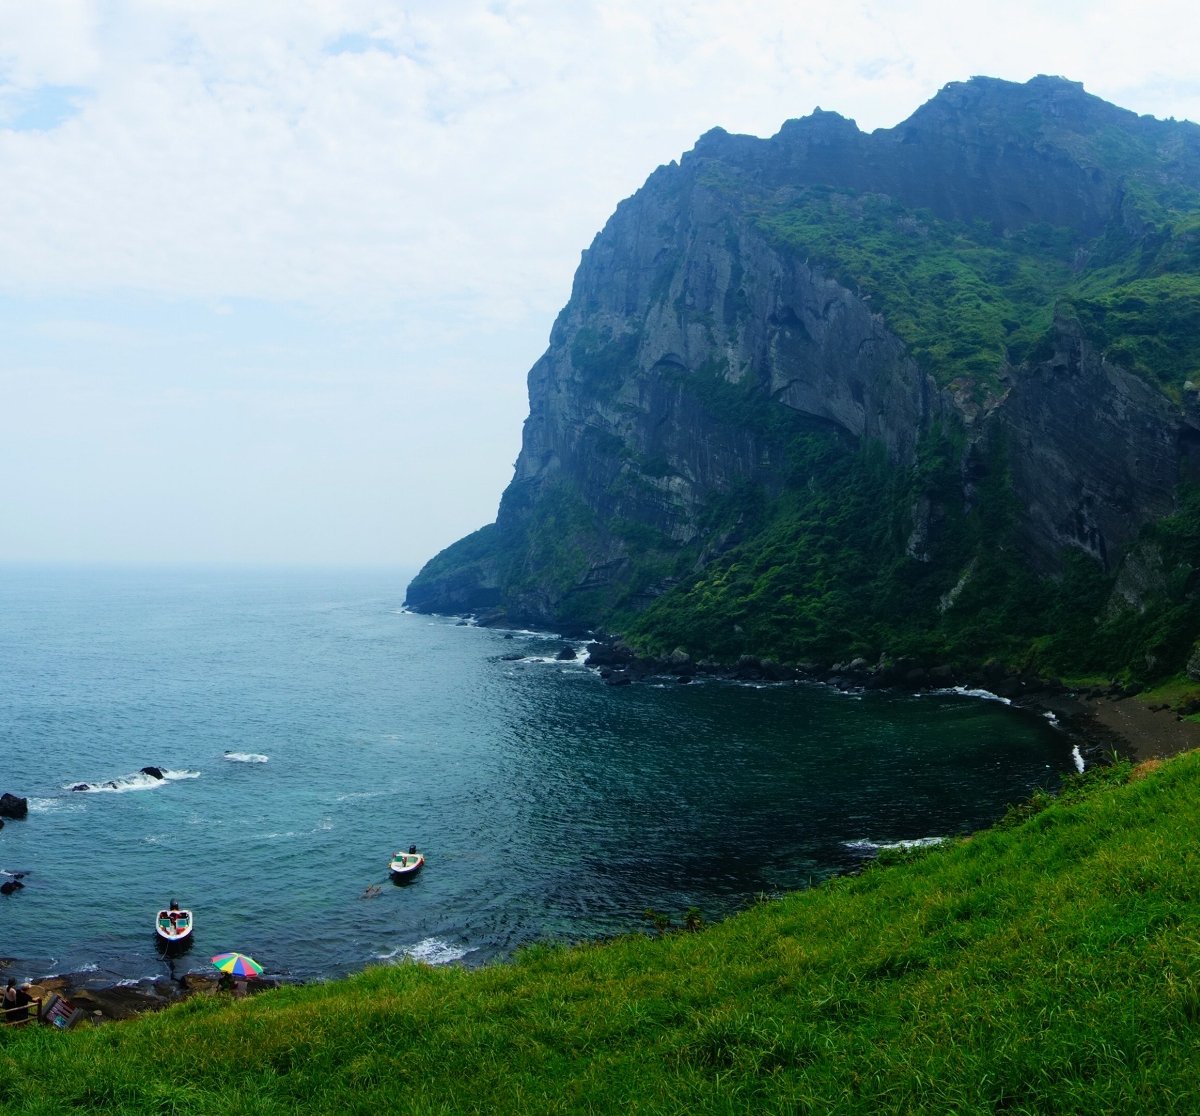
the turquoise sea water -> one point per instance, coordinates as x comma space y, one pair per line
310, 727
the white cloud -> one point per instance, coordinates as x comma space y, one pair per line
419, 177
228, 150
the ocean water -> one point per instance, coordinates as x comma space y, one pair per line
309, 727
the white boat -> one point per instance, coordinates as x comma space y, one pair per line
405, 865
173, 927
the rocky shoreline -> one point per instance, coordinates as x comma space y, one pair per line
99, 1000
1102, 721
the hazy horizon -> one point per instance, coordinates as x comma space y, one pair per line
273, 275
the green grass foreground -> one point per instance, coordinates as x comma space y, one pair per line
1051, 964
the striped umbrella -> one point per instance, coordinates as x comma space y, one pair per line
238, 965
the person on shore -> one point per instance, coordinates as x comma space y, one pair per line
16, 1003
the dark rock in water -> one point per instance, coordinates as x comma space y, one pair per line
153, 772
777, 672
1, 825
603, 654
566, 655
508, 635
10, 886
1008, 688
511, 657
748, 669
81, 787
619, 678
13, 807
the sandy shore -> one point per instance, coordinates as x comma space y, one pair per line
1141, 731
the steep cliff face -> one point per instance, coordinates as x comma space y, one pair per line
941, 281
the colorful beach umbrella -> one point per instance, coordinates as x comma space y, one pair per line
238, 965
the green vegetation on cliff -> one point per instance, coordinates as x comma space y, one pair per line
1047, 965
833, 568
1008, 281
966, 300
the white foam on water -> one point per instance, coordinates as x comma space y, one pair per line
865, 846
965, 691
353, 796
431, 951
90, 967
434, 951
137, 781
47, 805
1077, 756
246, 757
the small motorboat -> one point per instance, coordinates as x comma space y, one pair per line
173, 928
405, 865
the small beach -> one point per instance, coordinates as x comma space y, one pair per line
1144, 731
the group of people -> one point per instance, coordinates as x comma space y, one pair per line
16, 1003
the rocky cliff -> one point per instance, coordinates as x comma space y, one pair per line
1005, 283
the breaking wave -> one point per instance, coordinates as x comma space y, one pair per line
139, 780
870, 847
966, 691
431, 951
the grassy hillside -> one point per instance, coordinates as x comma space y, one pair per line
1051, 964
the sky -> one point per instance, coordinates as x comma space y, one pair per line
272, 273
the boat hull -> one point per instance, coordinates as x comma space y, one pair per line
170, 940
404, 867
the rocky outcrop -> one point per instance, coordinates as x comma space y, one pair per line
1095, 452
687, 304
13, 807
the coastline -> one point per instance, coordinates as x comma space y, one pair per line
1103, 724
106, 1002
1145, 731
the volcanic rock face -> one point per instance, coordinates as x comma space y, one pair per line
1094, 451
687, 288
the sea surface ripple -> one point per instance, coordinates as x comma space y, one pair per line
309, 727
